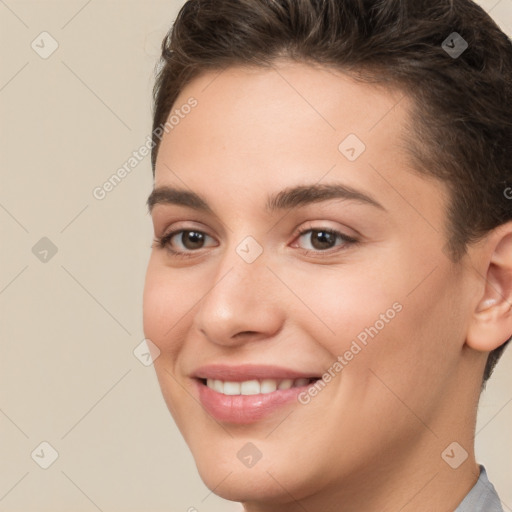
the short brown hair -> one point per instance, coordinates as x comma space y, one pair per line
462, 121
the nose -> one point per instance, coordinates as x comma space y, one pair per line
243, 303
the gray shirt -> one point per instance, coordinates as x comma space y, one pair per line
482, 497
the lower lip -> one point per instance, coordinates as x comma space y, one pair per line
244, 409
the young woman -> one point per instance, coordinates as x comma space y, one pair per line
331, 280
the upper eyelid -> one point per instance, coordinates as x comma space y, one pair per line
343, 236
296, 231
173, 232
170, 229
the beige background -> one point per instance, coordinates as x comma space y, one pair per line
68, 326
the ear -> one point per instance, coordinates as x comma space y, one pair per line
491, 322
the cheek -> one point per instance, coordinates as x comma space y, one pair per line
344, 305
164, 312
164, 307
416, 354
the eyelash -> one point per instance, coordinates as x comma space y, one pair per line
163, 242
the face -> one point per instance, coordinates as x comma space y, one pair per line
298, 291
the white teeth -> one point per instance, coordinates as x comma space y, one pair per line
285, 384
215, 384
250, 387
268, 386
254, 387
232, 388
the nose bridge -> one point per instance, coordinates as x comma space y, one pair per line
241, 278
238, 300
242, 269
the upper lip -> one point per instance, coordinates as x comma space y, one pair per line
245, 372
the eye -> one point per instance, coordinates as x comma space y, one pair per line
184, 241
321, 240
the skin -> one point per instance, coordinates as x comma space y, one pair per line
373, 438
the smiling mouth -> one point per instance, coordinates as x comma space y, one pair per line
255, 387
245, 394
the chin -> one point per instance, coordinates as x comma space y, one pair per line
264, 482
254, 485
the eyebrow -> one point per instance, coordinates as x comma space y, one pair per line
287, 199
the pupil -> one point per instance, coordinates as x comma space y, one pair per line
322, 239
192, 239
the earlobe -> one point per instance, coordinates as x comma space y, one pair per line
491, 322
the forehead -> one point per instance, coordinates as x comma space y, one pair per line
287, 107
268, 128
325, 100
